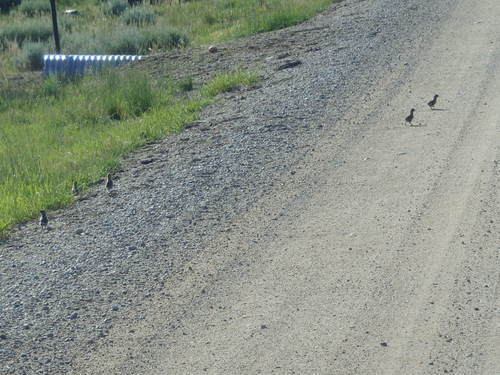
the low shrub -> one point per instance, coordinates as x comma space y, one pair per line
186, 84
134, 41
125, 41
33, 8
210, 19
164, 37
32, 56
139, 16
83, 43
7, 5
115, 7
34, 31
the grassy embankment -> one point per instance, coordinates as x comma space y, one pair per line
114, 27
60, 132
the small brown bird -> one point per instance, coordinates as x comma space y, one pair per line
433, 102
43, 220
409, 118
109, 183
74, 189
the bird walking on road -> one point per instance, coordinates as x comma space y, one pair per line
74, 189
43, 220
409, 118
109, 183
433, 102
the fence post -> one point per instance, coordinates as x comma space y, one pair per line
54, 25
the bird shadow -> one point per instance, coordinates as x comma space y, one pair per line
417, 125
440, 109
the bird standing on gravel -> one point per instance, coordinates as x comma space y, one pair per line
74, 189
433, 102
43, 220
409, 118
109, 183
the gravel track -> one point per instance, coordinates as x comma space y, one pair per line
115, 275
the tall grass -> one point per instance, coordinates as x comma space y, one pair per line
139, 16
64, 131
127, 40
115, 7
33, 8
32, 56
37, 30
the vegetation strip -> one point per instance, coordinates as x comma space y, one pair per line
77, 131
116, 27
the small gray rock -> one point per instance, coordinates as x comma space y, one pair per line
289, 64
147, 161
73, 316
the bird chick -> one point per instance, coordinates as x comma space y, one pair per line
75, 189
109, 183
433, 102
409, 118
43, 220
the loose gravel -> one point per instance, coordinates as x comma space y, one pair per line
63, 289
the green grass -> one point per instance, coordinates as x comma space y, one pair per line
77, 131
115, 7
106, 26
127, 40
33, 8
18, 32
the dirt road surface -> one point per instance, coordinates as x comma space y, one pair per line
380, 252
390, 263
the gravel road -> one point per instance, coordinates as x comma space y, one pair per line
300, 227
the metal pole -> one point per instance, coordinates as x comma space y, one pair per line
54, 25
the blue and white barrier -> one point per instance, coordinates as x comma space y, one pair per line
70, 65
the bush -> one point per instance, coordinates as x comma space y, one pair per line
186, 84
32, 56
140, 41
139, 16
82, 43
165, 38
7, 5
35, 31
33, 8
115, 7
125, 41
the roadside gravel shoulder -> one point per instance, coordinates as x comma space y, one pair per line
106, 261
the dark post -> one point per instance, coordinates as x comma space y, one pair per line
54, 25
